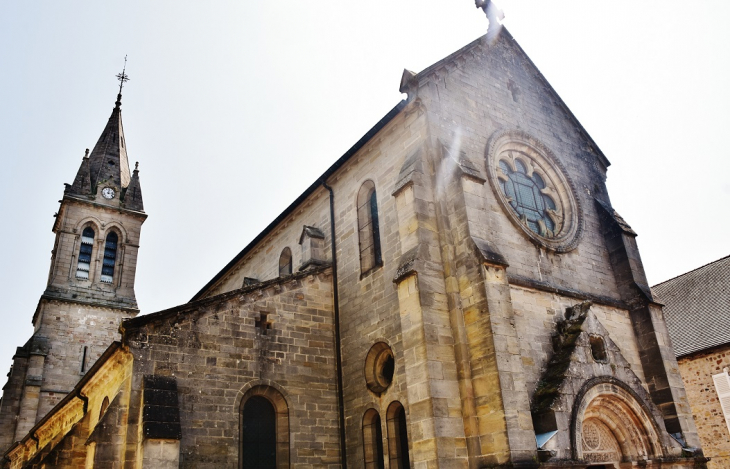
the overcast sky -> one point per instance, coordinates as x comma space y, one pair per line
234, 108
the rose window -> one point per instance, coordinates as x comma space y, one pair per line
526, 195
534, 190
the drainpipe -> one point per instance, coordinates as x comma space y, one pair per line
338, 348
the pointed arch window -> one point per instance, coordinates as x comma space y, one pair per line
368, 227
398, 437
372, 440
285, 263
110, 258
85, 250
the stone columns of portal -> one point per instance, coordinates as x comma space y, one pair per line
433, 412
655, 351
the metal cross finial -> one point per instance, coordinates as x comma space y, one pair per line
494, 14
123, 77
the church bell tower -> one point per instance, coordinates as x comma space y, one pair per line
90, 286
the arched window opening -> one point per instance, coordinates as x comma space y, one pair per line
285, 263
379, 367
110, 257
264, 430
85, 250
368, 227
84, 357
598, 349
372, 439
259, 434
398, 437
104, 406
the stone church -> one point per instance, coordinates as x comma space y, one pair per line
455, 291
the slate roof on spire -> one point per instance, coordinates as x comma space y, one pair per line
82, 183
133, 193
108, 160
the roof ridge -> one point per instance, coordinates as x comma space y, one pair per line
693, 270
505, 35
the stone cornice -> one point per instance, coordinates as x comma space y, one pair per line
72, 408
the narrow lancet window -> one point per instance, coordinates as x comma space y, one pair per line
368, 227
285, 263
398, 437
87, 246
110, 258
372, 438
83, 359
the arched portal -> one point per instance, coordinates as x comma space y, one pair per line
612, 426
264, 429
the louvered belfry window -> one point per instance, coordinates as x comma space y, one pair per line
110, 258
85, 250
722, 386
368, 227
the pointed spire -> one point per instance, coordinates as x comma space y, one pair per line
82, 183
133, 193
108, 160
108, 165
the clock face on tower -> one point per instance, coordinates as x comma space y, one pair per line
107, 193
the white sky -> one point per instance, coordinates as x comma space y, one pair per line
234, 108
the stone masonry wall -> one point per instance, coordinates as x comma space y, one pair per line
71, 327
493, 88
368, 303
697, 371
536, 314
369, 306
216, 352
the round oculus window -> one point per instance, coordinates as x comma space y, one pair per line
379, 367
533, 189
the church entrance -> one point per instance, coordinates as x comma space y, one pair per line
613, 427
259, 434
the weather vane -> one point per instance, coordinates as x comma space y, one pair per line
123, 77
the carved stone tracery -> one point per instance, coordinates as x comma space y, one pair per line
534, 190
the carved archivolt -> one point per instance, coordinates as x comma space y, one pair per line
612, 426
534, 190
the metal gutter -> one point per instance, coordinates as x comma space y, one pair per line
338, 340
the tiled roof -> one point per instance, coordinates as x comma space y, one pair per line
697, 307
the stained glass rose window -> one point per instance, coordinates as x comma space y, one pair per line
525, 195
534, 190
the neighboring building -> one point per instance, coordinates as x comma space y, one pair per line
697, 312
455, 291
